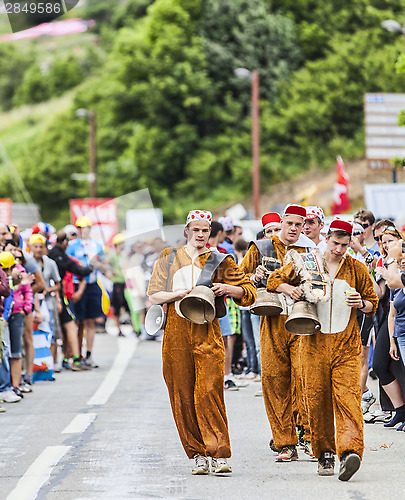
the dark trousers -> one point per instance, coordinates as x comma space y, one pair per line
386, 369
247, 332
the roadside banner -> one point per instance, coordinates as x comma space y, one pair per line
103, 214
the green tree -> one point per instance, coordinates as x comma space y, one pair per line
172, 117
243, 33
318, 22
320, 112
34, 87
13, 65
129, 12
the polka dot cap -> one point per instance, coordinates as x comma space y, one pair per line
199, 215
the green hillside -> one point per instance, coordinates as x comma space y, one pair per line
171, 114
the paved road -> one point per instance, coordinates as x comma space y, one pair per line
81, 437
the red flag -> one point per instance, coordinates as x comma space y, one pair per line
341, 202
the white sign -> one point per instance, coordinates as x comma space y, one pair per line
386, 201
385, 139
143, 221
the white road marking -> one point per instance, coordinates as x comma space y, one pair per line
79, 423
40, 471
126, 348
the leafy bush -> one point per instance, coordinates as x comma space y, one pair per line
171, 115
13, 64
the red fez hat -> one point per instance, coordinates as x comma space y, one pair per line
271, 219
298, 210
341, 225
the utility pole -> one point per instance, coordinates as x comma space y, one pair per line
93, 154
256, 142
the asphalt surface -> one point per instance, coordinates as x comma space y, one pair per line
125, 443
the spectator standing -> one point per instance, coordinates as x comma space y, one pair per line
7, 395
136, 287
217, 237
70, 231
4, 235
252, 369
66, 317
388, 369
313, 226
52, 279
396, 329
151, 256
230, 323
366, 219
229, 229
384, 346
118, 261
87, 250
37, 286
21, 307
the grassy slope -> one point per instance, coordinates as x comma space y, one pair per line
19, 128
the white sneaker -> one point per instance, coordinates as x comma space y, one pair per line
26, 388
375, 416
9, 397
220, 466
366, 403
308, 450
201, 466
91, 362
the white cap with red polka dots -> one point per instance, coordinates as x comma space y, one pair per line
195, 215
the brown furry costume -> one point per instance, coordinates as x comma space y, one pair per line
194, 355
331, 362
279, 351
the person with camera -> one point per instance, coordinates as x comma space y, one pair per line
396, 253
395, 248
386, 353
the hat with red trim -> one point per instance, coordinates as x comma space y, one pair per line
195, 215
297, 210
314, 211
271, 219
341, 225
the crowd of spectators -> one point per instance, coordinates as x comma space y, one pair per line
62, 285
